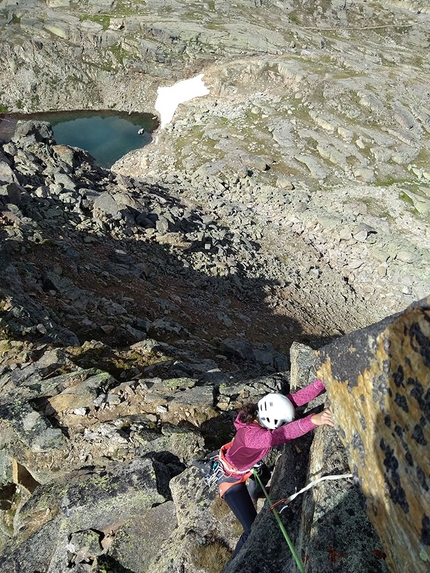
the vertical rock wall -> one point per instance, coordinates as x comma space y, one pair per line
378, 381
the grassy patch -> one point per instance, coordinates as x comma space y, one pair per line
115, 362
294, 19
107, 564
128, 7
219, 508
210, 557
35, 102
103, 20
119, 53
405, 197
409, 202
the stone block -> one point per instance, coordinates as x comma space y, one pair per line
378, 381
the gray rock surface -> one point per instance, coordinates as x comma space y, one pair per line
140, 307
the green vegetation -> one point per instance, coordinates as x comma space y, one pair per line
210, 557
294, 19
4, 108
405, 197
103, 20
409, 202
127, 7
107, 564
387, 182
219, 508
119, 53
193, 16
115, 362
35, 102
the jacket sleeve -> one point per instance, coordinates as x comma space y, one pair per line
292, 430
261, 438
307, 394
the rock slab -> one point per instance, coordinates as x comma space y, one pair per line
378, 380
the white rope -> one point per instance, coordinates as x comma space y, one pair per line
290, 499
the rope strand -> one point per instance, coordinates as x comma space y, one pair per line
281, 526
288, 500
311, 484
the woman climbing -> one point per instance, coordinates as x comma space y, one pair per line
260, 427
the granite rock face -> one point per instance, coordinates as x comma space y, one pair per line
378, 380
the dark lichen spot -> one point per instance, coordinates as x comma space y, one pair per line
363, 422
402, 402
390, 460
387, 420
417, 390
420, 343
422, 478
357, 444
418, 435
399, 430
397, 494
392, 477
398, 376
409, 459
426, 406
425, 531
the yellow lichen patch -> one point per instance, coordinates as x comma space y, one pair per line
380, 399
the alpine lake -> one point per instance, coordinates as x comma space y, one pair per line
106, 135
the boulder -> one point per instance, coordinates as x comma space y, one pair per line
29, 132
75, 521
378, 381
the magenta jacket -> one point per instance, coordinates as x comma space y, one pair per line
252, 442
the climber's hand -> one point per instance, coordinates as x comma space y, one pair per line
324, 418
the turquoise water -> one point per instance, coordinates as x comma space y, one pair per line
106, 135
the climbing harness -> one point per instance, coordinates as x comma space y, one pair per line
276, 513
219, 472
215, 472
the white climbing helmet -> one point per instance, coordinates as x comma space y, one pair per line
274, 410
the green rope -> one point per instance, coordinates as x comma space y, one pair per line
281, 525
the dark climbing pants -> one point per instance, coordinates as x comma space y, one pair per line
240, 503
241, 499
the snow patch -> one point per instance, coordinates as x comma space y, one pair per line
169, 98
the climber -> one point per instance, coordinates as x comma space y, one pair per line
260, 427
